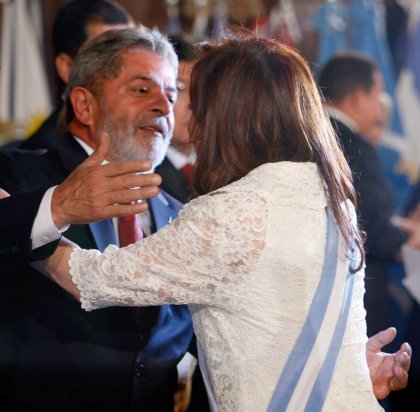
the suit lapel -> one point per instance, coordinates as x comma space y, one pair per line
70, 151
72, 154
164, 209
104, 233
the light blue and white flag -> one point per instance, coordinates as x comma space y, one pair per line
25, 95
330, 21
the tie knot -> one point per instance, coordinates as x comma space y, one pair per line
129, 230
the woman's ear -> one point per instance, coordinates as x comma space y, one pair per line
63, 65
84, 104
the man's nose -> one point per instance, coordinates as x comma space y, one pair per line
161, 104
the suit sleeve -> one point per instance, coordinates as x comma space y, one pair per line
18, 214
375, 205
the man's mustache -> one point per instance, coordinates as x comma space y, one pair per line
155, 122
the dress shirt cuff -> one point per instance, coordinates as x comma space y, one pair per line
44, 230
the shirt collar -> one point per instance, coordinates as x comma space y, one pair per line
87, 148
337, 114
178, 159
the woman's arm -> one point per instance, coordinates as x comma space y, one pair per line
56, 267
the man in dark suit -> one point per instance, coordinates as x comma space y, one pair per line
352, 86
76, 22
53, 355
178, 165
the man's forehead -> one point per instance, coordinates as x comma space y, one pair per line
149, 63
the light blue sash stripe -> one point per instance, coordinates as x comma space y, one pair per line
321, 386
305, 342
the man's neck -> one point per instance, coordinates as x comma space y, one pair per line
342, 117
187, 149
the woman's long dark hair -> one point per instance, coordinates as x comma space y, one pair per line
254, 101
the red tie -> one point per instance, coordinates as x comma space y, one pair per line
129, 230
188, 170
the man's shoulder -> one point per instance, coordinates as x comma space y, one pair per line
28, 169
352, 141
26, 159
44, 137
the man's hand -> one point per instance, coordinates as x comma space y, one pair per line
95, 192
388, 372
3, 194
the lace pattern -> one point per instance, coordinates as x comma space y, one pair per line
247, 259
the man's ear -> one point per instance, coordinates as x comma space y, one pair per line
63, 65
357, 97
83, 103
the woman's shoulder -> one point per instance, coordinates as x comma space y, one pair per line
282, 182
291, 183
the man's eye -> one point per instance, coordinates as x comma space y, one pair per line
142, 89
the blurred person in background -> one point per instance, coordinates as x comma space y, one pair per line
353, 89
178, 165
75, 23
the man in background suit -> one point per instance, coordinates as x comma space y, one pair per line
177, 166
53, 355
353, 88
76, 22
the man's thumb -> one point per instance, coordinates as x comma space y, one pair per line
102, 150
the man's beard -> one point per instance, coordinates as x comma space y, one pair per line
126, 146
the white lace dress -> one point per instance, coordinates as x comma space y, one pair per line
247, 259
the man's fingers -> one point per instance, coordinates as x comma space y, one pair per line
127, 196
133, 180
3, 194
117, 185
405, 347
404, 356
121, 167
400, 379
124, 210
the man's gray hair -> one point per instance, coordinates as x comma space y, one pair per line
101, 58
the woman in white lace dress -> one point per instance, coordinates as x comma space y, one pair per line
262, 254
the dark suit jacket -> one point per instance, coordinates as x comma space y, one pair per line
45, 136
173, 181
54, 356
375, 208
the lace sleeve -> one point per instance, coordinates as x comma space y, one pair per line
195, 259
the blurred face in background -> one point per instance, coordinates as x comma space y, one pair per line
182, 109
64, 62
377, 132
370, 109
